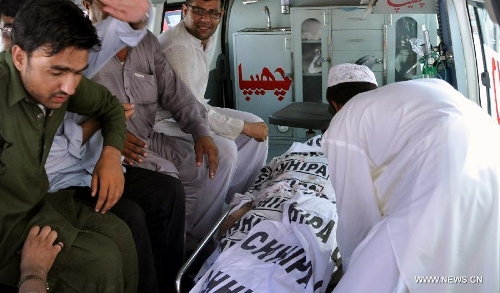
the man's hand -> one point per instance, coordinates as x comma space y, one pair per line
205, 145
108, 179
257, 131
134, 149
131, 11
39, 251
129, 110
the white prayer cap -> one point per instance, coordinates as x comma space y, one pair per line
349, 72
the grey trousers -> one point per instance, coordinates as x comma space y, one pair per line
240, 161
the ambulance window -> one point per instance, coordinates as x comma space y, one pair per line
487, 48
172, 15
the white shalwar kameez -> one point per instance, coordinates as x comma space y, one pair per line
415, 167
239, 154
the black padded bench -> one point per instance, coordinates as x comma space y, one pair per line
311, 115
308, 115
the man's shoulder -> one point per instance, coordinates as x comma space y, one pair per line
149, 38
176, 36
85, 86
11, 85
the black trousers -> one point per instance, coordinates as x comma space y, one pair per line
152, 205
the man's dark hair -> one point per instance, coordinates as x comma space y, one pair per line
10, 7
190, 2
59, 24
343, 92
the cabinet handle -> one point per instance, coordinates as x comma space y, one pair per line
356, 40
386, 52
327, 59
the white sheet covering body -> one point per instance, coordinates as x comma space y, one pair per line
286, 242
417, 165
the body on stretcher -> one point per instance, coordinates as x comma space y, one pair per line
280, 235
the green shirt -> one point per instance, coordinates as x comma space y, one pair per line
24, 184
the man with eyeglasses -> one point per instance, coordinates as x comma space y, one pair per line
240, 136
8, 10
5, 40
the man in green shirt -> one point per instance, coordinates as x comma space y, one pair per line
41, 78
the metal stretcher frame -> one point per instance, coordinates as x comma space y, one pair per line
197, 251
334, 280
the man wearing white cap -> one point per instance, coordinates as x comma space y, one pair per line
415, 166
347, 80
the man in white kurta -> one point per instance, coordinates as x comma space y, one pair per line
415, 166
240, 136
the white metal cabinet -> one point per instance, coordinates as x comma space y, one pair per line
263, 82
311, 52
402, 62
355, 35
344, 34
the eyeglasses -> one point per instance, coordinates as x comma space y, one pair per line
6, 32
214, 14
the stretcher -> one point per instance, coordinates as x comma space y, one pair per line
280, 235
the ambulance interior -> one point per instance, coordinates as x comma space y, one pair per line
273, 56
272, 59
451, 40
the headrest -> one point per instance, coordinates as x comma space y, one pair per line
349, 72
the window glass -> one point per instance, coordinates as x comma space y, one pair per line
171, 18
486, 44
405, 58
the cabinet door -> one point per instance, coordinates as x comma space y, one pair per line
263, 69
403, 62
355, 35
311, 53
354, 18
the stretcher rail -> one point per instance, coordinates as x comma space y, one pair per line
197, 251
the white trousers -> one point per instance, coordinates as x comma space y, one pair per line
240, 161
250, 154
